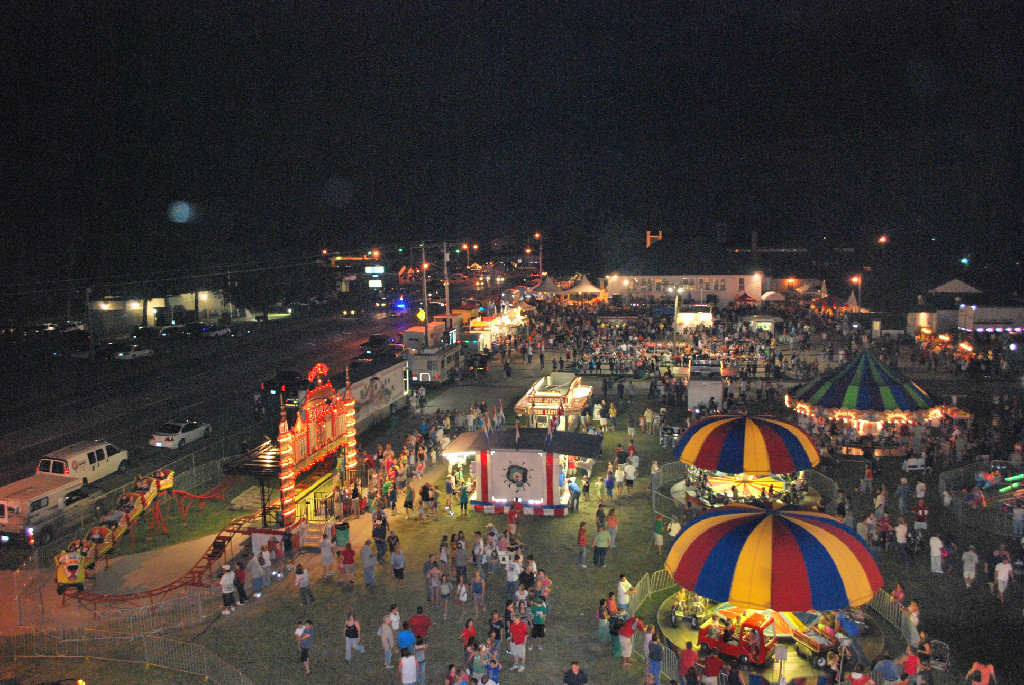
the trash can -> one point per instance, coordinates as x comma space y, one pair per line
341, 537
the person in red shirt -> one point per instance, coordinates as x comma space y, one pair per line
911, 666
513, 515
687, 659
348, 562
626, 638
712, 668
920, 515
581, 544
420, 623
518, 631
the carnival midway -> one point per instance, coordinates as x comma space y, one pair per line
759, 490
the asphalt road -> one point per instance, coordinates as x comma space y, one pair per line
56, 403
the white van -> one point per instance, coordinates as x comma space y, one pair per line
87, 461
35, 509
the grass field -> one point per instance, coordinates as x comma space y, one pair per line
258, 637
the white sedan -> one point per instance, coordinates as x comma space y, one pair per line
174, 434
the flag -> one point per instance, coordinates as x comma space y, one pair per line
517, 431
551, 429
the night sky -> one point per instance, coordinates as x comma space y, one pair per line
296, 126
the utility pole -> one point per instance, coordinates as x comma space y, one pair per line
92, 332
447, 303
426, 304
540, 253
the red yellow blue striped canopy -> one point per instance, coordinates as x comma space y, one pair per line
747, 444
785, 559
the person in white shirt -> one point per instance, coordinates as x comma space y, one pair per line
407, 668
622, 592
970, 559
227, 588
1004, 572
629, 472
901, 540
935, 545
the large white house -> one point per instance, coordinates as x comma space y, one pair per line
725, 288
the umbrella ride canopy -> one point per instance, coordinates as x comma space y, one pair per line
864, 384
784, 559
747, 444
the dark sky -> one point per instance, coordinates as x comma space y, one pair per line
296, 125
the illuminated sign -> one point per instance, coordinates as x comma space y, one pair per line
421, 315
373, 269
376, 283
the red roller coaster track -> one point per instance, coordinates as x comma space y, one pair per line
194, 577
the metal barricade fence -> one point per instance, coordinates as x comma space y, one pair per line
169, 614
150, 651
827, 489
892, 612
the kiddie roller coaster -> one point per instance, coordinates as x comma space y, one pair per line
78, 562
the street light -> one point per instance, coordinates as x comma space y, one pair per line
540, 254
859, 281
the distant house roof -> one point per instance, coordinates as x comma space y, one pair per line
955, 287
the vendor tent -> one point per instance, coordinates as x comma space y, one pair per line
824, 290
744, 297
865, 384
546, 286
584, 287
955, 287
773, 296
851, 301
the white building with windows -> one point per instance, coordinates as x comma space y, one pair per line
723, 288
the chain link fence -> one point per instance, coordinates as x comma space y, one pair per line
82, 643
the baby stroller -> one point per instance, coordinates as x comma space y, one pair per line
940, 656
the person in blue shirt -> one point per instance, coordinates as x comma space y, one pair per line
493, 670
887, 668
406, 639
574, 496
304, 635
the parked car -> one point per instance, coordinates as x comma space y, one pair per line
170, 333
146, 334
217, 330
479, 362
174, 434
127, 351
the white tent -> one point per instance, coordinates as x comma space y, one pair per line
851, 301
824, 290
546, 286
772, 296
955, 287
584, 287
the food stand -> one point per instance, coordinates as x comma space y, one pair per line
560, 396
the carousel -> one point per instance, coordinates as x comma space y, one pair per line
744, 459
868, 401
759, 582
